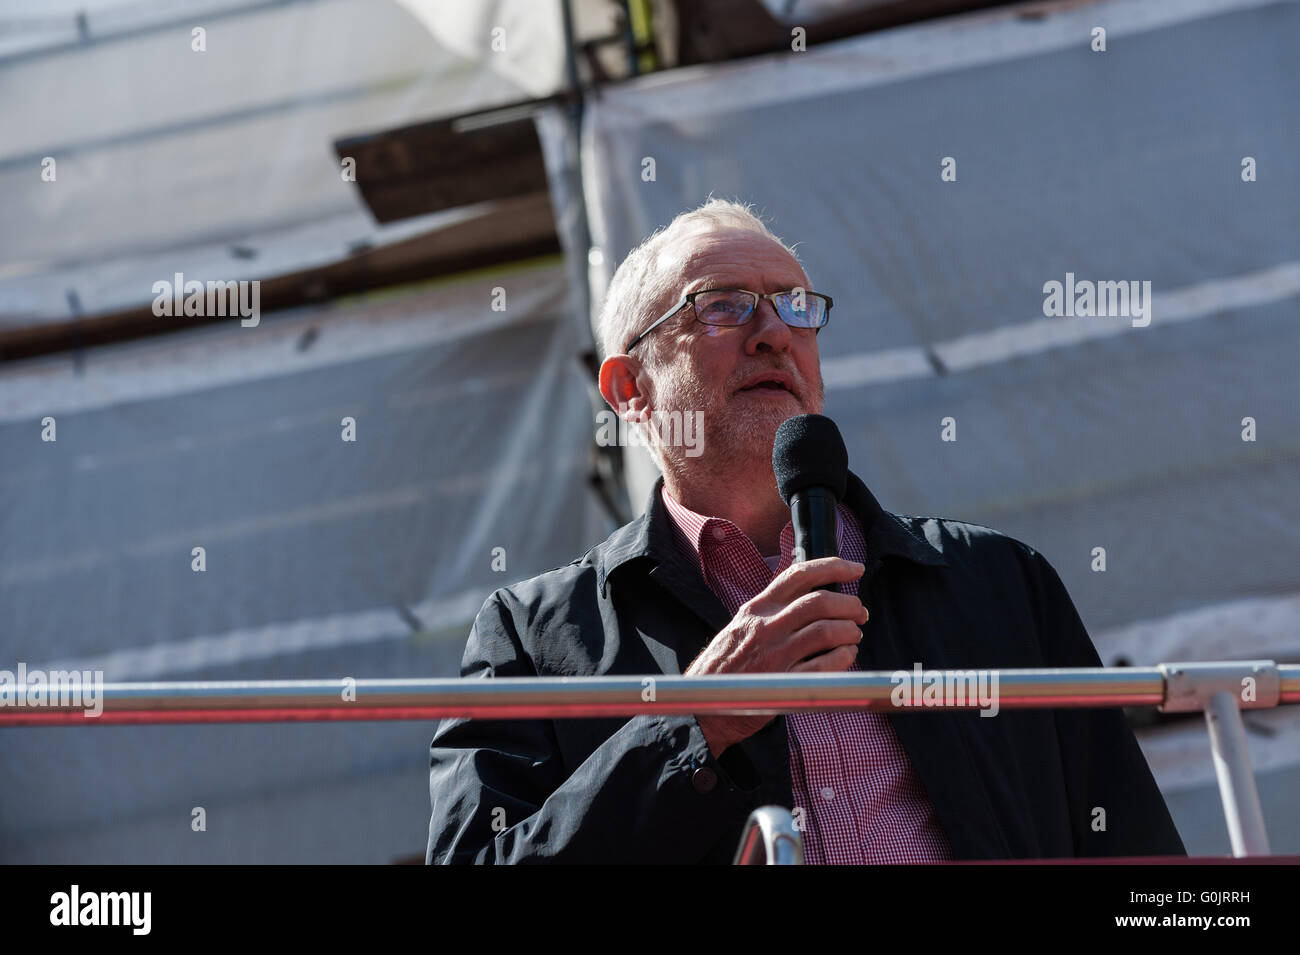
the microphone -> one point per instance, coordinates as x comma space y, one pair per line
811, 466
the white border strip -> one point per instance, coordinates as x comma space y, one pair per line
278, 639
347, 330
889, 56
1022, 339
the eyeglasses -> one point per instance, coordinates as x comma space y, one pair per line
797, 307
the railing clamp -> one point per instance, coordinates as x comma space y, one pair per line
1223, 690
1253, 684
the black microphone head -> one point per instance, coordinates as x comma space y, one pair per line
809, 452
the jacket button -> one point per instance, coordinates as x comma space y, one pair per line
704, 779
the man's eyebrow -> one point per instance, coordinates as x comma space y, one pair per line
711, 285
708, 285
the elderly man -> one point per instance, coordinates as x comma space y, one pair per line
714, 314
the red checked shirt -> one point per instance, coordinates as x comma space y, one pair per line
863, 801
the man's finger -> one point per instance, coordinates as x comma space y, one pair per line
806, 576
819, 605
822, 636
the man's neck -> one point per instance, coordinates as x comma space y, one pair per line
749, 501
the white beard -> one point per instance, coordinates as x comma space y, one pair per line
737, 432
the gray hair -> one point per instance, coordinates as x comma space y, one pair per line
641, 282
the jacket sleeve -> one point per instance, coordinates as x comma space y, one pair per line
1115, 806
500, 791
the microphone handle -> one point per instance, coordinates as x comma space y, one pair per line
812, 511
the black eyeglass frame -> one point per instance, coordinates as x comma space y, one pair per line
689, 299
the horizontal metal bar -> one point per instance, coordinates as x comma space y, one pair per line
577, 697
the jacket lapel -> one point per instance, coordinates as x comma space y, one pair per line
678, 576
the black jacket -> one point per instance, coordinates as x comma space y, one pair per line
945, 594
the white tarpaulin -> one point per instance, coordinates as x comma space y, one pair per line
322, 557
216, 161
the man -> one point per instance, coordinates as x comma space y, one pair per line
703, 583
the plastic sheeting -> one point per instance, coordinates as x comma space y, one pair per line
1071, 434
324, 558
217, 162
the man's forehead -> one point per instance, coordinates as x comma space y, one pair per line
729, 255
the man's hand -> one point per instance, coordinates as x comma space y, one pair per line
790, 627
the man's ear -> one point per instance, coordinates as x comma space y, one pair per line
620, 386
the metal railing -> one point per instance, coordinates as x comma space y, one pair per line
1221, 690
770, 838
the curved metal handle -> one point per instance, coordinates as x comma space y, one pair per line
770, 838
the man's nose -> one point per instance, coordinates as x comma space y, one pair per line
767, 332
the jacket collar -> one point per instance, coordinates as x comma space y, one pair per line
650, 535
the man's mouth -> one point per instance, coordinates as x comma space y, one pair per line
775, 383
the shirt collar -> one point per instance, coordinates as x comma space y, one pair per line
693, 527
651, 536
